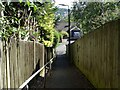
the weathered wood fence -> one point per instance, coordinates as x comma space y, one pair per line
20, 61
97, 55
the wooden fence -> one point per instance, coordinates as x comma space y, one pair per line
19, 62
97, 55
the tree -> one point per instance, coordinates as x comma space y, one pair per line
91, 15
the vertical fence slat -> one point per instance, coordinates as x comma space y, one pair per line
4, 68
22, 63
98, 56
0, 65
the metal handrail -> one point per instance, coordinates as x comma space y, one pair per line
37, 72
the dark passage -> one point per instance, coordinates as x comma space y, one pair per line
66, 75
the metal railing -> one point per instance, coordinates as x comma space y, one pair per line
36, 73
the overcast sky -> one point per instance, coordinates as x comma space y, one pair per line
67, 2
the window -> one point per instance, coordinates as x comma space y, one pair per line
76, 34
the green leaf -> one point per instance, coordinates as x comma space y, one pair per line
35, 7
8, 2
20, 1
28, 2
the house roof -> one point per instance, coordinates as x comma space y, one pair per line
74, 28
62, 26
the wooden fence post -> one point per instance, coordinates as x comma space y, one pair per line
0, 64
43, 62
34, 45
8, 65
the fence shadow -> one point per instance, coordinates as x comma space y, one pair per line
36, 82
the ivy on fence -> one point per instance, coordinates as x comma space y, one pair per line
28, 21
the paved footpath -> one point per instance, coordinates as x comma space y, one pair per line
65, 75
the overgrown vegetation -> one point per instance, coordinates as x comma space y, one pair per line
91, 15
28, 21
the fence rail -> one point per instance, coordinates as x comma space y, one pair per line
22, 59
36, 73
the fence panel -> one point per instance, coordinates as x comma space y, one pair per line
24, 58
97, 55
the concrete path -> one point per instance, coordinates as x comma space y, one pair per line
65, 75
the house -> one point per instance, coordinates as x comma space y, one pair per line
63, 25
75, 33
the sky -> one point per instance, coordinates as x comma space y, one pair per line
66, 2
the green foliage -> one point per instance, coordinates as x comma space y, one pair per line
14, 18
91, 15
58, 36
28, 21
45, 18
64, 33
56, 39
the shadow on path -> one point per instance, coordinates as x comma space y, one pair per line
65, 75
